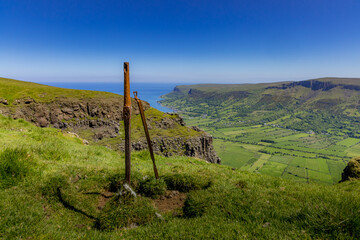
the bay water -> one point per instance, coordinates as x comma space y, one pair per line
149, 92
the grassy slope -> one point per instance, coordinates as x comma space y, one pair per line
14, 89
237, 205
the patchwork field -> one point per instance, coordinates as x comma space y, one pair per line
284, 153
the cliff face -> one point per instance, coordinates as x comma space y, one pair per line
71, 113
199, 147
101, 119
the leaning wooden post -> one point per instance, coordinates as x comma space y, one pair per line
147, 134
127, 122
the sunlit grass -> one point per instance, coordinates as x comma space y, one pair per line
57, 197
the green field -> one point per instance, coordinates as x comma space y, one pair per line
284, 153
296, 155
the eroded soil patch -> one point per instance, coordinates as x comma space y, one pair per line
104, 198
171, 201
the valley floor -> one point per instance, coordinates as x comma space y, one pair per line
306, 130
272, 150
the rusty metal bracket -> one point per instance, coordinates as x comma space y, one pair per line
127, 122
146, 133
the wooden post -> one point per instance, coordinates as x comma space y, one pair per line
147, 134
127, 122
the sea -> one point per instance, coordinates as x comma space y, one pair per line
149, 92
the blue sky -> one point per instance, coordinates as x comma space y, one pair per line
180, 41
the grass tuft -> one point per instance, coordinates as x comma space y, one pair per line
51, 187
152, 187
122, 212
194, 206
14, 166
117, 180
185, 182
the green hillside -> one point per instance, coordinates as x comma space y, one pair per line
54, 187
328, 105
305, 130
14, 89
93, 115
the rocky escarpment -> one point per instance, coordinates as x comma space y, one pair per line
199, 147
100, 115
98, 120
352, 170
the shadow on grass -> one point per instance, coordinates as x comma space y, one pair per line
70, 207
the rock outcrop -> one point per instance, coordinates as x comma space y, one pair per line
352, 170
103, 114
3, 101
102, 117
199, 147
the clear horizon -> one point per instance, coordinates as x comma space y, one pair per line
120, 81
179, 41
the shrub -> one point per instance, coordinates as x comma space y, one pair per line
185, 182
352, 170
14, 165
152, 187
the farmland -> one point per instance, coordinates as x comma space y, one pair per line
284, 153
306, 131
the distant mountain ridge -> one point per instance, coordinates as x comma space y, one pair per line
324, 105
325, 84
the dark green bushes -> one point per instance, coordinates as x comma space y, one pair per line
352, 170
